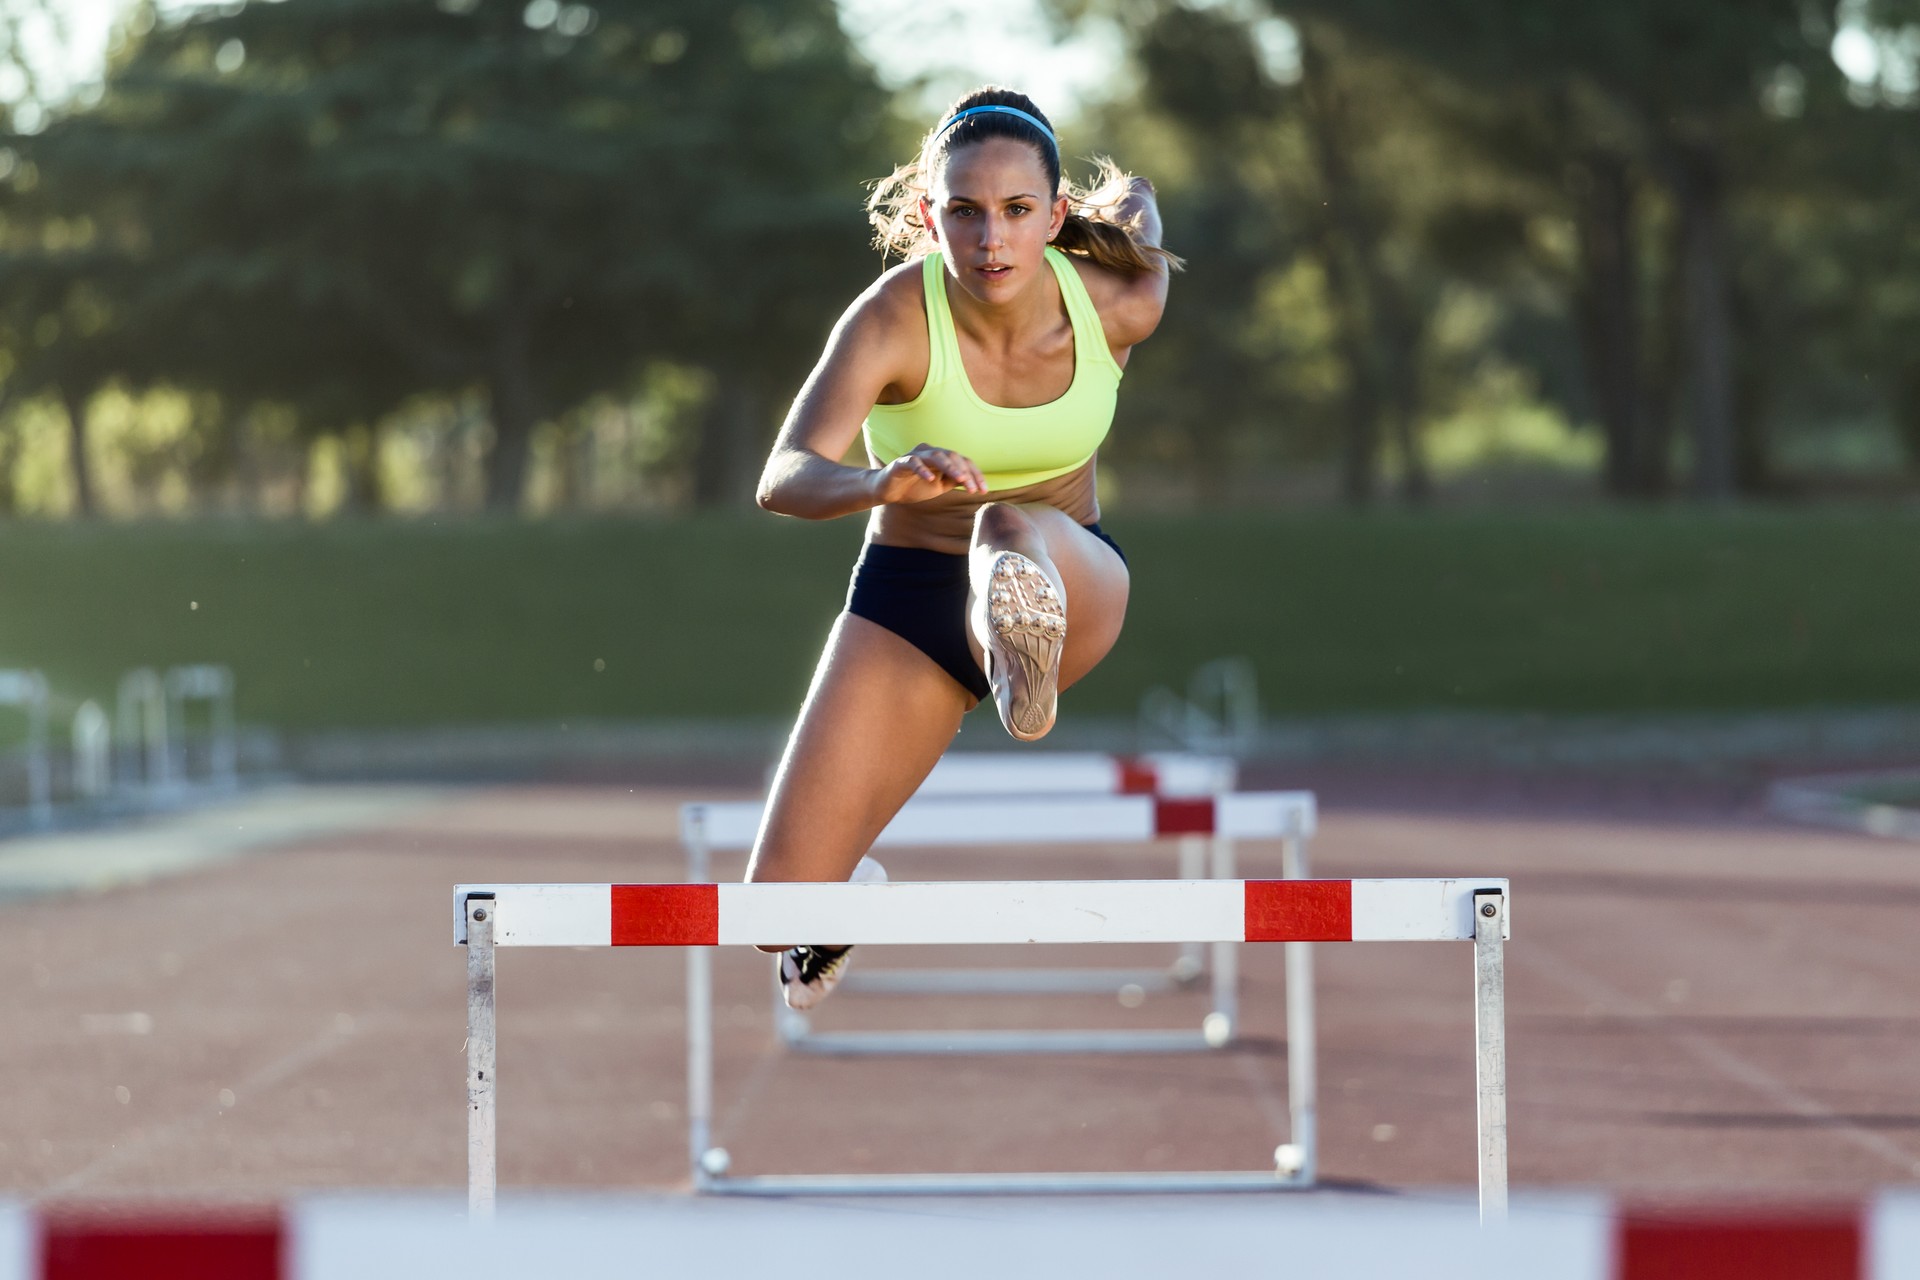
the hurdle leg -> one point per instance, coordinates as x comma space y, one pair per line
481, 1172
1192, 866
699, 1028
1490, 1040
1303, 1146
1223, 1023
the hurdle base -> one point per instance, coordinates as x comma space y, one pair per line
987, 1184
854, 1044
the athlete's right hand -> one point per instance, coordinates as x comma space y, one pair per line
926, 472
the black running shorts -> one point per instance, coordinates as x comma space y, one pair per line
921, 596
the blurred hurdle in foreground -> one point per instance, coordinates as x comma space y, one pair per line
410, 1236
1205, 850
705, 915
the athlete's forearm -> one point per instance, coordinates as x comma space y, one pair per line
801, 483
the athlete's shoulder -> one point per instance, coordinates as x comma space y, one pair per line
894, 302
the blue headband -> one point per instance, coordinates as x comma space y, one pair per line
1035, 121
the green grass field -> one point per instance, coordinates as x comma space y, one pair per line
390, 623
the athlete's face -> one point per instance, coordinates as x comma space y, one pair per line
992, 212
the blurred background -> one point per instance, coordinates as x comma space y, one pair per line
414, 359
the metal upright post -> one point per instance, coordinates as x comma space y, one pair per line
1490, 1041
1302, 1044
482, 1175
1192, 865
1226, 959
699, 1025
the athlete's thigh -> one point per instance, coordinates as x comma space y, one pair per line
876, 720
1096, 583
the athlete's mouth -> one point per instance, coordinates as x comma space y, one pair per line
995, 270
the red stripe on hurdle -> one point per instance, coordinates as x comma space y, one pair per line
1183, 817
1299, 911
221, 1246
666, 915
1735, 1246
1137, 777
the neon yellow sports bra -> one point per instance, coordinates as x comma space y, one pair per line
1012, 447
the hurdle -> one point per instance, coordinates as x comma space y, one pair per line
140, 727
28, 691
954, 820
702, 916
1173, 775
1012, 773
1059, 773
212, 684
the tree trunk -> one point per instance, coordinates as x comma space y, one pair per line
78, 459
1906, 411
1606, 304
1700, 192
515, 412
360, 464
9, 454
728, 457
1752, 396
1380, 335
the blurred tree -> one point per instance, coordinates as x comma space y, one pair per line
340, 203
1657, 87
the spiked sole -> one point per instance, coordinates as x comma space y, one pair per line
1026, 633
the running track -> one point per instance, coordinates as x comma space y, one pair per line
1695, 1008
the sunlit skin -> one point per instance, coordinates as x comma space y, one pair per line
880, 713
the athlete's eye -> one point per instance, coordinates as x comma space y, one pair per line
961, 210
1018, 208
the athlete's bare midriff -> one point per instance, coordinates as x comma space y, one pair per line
946, 523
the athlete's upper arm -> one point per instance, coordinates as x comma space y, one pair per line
863, 357
1130, 307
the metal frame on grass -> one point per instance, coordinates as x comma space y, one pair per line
955, 820
28, 691
701, 916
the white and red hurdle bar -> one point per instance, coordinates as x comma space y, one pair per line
409, 1236
705, 915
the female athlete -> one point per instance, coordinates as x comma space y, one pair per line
983, 373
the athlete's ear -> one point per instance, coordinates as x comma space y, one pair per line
1061, 208
926, 220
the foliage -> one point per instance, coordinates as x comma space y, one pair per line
341, 204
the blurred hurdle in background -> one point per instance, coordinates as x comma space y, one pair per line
700, 916
1203, 852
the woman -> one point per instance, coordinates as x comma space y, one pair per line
983, 371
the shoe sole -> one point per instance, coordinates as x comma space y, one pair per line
801, 997
1026, 634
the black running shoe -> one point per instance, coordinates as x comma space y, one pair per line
808, 974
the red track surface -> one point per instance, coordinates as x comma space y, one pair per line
1694, 1008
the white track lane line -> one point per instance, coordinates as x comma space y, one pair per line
273, 1073
1711, 1054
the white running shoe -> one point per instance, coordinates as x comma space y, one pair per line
1026, 634
808, 975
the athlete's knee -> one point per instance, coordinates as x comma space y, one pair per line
997, 521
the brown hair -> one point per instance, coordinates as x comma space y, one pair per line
1091, 230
